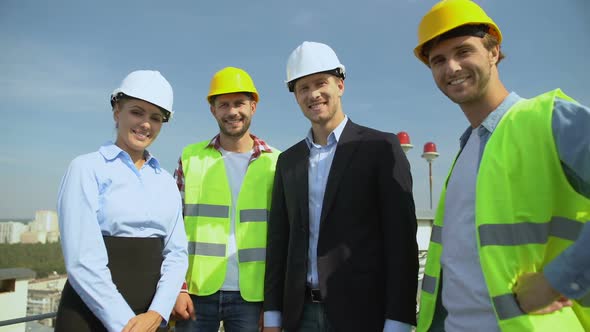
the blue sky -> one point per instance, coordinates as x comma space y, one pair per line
60, 60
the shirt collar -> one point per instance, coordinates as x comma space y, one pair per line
334, 136
490, 123
259, 147
111, 151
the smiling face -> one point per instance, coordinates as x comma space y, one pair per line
463, 68
138, 123
318, 96
233, 112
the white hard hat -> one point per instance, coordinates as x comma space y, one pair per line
147, 85
311, 58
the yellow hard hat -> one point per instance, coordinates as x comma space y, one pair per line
231, 80
448, 15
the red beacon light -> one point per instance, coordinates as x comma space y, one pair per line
430, 152
404, 140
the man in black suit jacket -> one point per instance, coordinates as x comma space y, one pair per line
341, 250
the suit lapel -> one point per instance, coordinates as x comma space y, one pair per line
301, 183
347, 145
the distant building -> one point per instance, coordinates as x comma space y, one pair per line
44, 229
44, 296
11, 231
33, 237
14, 285
36, 327
425, 220
53, 237
45, 221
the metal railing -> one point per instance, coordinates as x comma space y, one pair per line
28, 319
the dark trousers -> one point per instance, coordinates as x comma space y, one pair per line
314, 319
237, 314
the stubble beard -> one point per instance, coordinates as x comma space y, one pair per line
235, 134
480, 88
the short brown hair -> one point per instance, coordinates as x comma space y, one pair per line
250, 96
490, 41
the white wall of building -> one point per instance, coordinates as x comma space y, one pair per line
56, 282
44, 296
46, 221
14, 305
425, 220
11, 231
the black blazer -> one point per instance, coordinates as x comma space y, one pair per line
367, 250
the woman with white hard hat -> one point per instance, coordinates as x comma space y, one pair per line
121, 224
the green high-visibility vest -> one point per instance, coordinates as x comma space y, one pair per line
526, 213
208, 203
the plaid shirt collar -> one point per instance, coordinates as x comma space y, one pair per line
259, 147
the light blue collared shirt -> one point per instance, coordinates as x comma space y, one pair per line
569, 273
320, 162
103, 193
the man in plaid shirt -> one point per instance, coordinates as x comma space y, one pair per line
226, 184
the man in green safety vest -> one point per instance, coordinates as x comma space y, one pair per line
517, 194
226, 183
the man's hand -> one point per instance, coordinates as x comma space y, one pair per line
147, 322
536, 296
183, 308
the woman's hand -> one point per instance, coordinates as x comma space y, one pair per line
147, 322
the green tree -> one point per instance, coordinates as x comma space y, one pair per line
39, 257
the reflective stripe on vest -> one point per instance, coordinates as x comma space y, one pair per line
528, 232
436, 234
222, 211
252, 255
506, 306
206, 210
206, 249
429, 283
254, 215
521, 233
